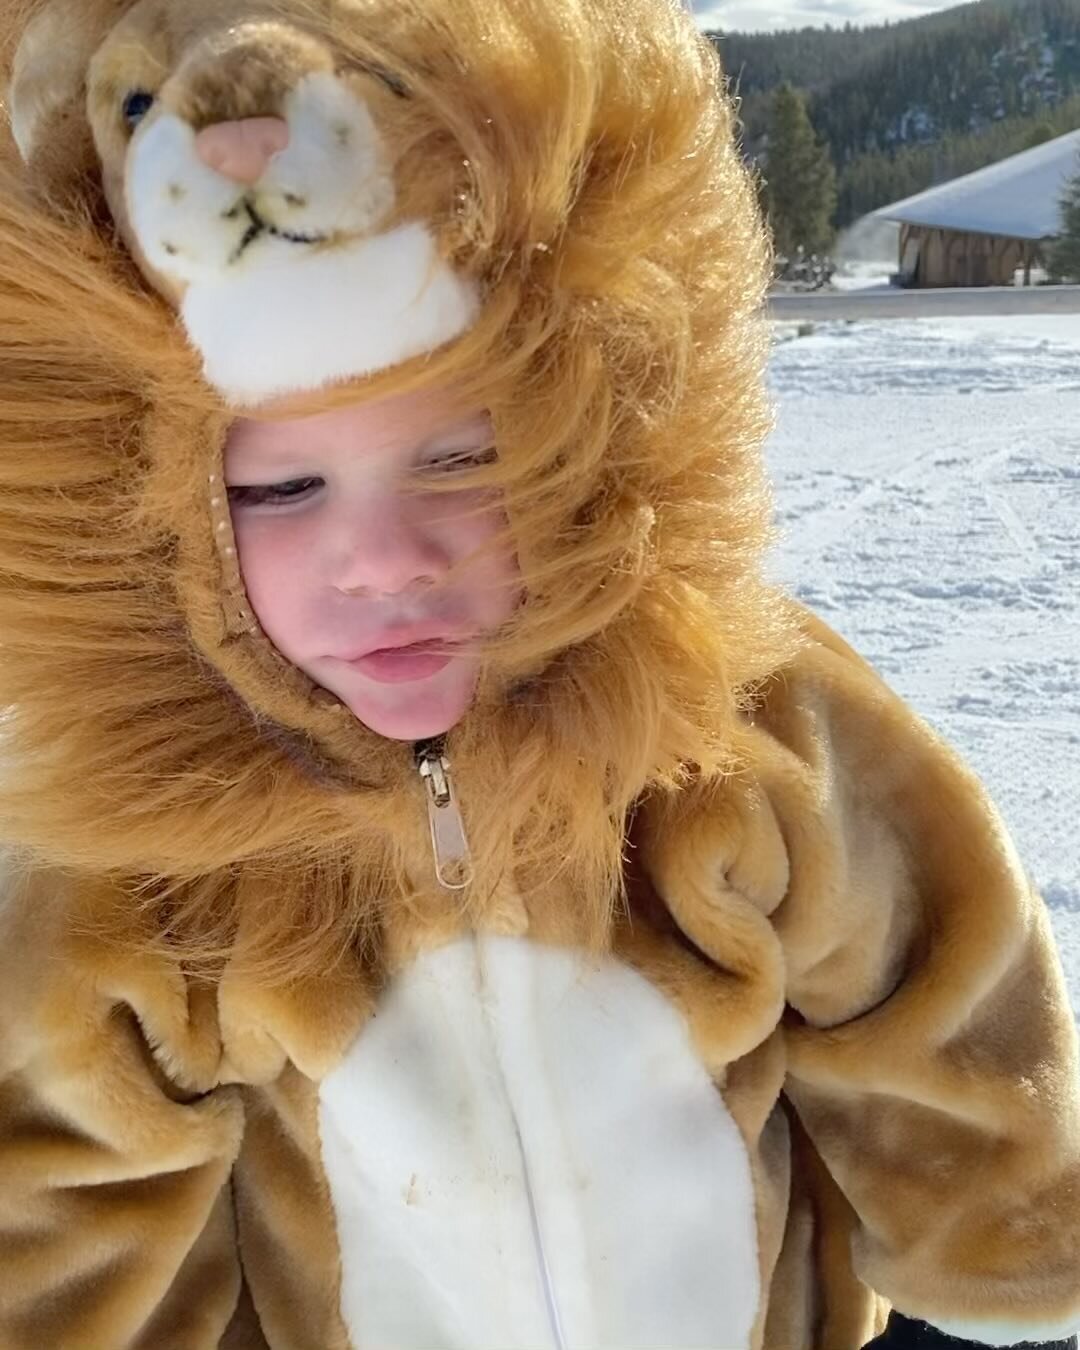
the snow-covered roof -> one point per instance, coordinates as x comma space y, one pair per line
1018, 197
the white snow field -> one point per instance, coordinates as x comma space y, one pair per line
927, 476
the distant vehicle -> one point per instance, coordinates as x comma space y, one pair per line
803, 271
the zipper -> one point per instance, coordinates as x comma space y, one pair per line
449, 843
493, 1008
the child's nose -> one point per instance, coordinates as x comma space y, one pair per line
386, 553
241, 150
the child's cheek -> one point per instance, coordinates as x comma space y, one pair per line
275, 562
496, 583
471, 520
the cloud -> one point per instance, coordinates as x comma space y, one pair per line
756, 16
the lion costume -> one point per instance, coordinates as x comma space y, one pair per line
691, 993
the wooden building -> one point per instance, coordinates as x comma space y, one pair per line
979, 229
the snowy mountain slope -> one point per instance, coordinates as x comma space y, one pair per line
928, 490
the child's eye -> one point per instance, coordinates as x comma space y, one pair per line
464, 458
274, 494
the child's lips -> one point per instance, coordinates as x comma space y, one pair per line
398, 665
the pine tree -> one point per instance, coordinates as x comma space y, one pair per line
1039, 134
800, 181
1063, 255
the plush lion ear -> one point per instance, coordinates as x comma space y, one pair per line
47, 52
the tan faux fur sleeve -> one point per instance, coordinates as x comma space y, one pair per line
115, 1214
932, 1055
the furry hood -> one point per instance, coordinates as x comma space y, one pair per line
591, 192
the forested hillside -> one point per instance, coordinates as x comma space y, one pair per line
902, 106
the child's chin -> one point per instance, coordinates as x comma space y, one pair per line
396, 728
415, 711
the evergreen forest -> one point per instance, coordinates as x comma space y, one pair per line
900, 107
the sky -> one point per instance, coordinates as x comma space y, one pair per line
768, 15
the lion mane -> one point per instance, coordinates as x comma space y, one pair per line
575, 161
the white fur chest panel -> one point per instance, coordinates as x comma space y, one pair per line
523, 1150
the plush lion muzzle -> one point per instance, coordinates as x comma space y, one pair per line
250, 192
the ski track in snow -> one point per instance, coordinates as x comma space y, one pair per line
927, 478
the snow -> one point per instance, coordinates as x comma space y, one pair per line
928, 491
874, 276
863, 276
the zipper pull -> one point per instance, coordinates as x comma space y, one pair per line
453, 862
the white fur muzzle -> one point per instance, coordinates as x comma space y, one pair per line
291, 283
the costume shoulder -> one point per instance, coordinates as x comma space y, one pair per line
932, 1054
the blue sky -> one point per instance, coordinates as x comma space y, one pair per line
761, 15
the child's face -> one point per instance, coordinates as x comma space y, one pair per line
343, 566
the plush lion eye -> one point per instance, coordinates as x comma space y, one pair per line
393, 82
136, 105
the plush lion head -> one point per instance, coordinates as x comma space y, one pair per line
260, 168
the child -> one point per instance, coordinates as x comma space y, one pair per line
451, 899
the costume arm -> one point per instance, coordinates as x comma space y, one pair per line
116, 1228
932, 1055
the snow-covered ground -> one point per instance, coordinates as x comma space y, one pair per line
863, 276
874, 276
928, 488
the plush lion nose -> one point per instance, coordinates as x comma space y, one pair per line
241, 150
